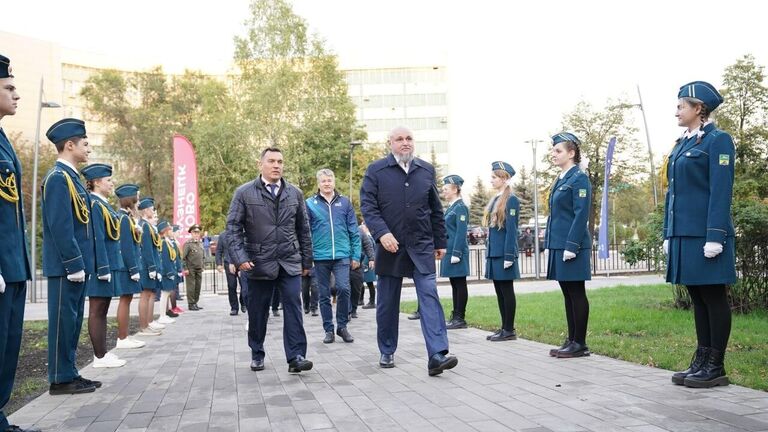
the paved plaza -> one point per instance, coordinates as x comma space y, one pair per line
196, 377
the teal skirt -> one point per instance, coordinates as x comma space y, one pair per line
127, 286
494, 269
576, 269
687, 265
100, 288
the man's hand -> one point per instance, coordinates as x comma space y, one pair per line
77, 276
232, 269
220, 268
439, 253
355, 264
389, 242
246, 266
305, 272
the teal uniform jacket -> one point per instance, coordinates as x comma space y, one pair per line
68, 244
569, 204
14, 258
178, 263
108, 253
130, 251
698, 209
169, 267
502, 244
456, 219
149, 255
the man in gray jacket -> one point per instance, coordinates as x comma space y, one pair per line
270, 241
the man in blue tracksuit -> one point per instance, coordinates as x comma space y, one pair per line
336, 247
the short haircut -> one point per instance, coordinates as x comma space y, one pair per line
270, 149
60, 144
325, 172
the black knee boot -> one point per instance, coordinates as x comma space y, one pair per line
711, 374
699, 359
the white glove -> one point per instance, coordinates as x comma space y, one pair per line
159, 277
2, 284
455, 260
712, 249
508, 264
568, 255
107, 277
665, 246
153, 275
182, 274
77, 277
179, 285
135, 277
171, 277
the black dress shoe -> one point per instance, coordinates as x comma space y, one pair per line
94, 383
369, 306
457, 323
299, 364
329, 337
353, 314
276, 313
171, 314
504, 335
314, 312
14, 428
414, 316
306, 311
344, 334
574, 349
257, 365
360, 302
233, 312
387, 361
440, 362
243, 308
72, 387
553, 351
199, 307
493, 334
192, 307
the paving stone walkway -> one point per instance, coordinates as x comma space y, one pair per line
196, 377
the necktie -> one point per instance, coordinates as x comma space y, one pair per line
272, 188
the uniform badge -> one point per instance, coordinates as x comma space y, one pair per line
582, 193
462, 218
725, 159
511, 212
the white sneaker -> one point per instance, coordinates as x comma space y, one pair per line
129, 343
154, 325
108, 361
165, 319
149, 331
138, 342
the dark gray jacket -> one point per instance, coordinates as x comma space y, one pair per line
270, 232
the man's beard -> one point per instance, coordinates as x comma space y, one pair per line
406, 157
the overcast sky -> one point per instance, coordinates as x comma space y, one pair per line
514, 67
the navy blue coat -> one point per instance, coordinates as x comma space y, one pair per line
108, 254
14, 259
130, 251
569, 204
456, 219
698, 209
408, 206
502, 245
150, 256
68, 244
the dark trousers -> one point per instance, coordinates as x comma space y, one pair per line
309, 293
432, 317
235, 300
340, 270
459, 295
505, 295
66, 302
712, 315
259, 297
194, 284
576, 310
275, 300
356, 288
371, 292
11, 323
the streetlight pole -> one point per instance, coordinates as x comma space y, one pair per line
533, 143
40, 106
351, 148
650, 152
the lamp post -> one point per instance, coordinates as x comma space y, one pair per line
40, 106
534, 143
352, 146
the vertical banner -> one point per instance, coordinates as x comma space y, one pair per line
603, 249
186, 207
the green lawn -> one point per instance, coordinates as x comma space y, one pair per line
636, 324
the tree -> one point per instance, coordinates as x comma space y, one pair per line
478, 201
438, 172
523, 190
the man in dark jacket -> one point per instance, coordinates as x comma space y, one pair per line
269, 239
401, 207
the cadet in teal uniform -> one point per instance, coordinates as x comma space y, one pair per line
569, 242
698, 230
14, 260
179, 265
168, 260
106, 229
455, 264
501, 256
150, 275
129, 273
69, 254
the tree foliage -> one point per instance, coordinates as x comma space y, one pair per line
479, 199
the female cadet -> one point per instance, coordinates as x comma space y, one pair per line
168, 259
501, 257
455, 264
568, 240
698, 231
149, 274
106, 232
129, 273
